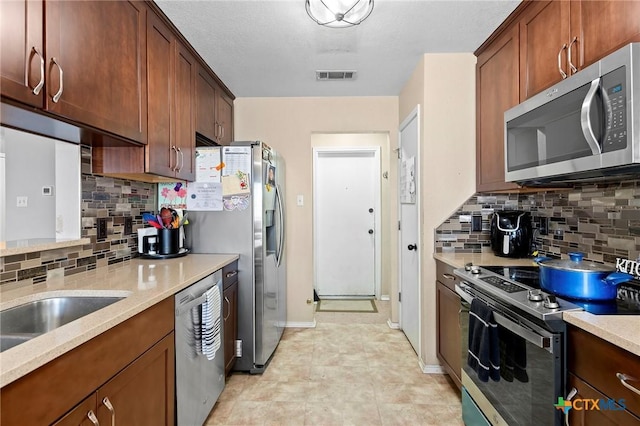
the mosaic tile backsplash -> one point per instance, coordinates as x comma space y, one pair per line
106, 197
601, 220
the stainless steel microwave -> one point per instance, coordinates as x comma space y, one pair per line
585, 127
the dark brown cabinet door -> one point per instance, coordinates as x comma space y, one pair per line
602, 27
22, 64
230, 312
544, 37
185, 112
152, 376
206, 105
448, 324
84, 414
497, 90
161, 156
96, 64
224, 117
583, 417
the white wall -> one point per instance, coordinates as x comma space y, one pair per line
288, 124
444, 85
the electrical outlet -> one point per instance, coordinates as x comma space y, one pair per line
476, 223
543, 226
102, 228
128, 225
22, 201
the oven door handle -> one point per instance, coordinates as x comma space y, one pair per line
534, 338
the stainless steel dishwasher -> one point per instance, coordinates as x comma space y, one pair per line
199, 381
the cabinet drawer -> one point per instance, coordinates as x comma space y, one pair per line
597, 362
230, 274
444, 274
582, 416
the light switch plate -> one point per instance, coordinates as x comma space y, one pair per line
300, 200
22, 201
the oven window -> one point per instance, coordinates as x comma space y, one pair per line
530, 378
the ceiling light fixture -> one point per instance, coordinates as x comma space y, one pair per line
339, 13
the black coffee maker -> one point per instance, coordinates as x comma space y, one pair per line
511, 233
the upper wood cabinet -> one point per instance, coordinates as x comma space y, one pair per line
538, 45
558, 38
22, 61
171, 72
214, 109
497, 89
75, 71
544, 44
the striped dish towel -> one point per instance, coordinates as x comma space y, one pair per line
211, 323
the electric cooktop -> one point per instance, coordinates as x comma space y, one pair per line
627, 302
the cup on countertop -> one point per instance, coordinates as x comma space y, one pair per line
168, 241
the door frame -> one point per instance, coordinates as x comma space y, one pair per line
413, 115
317, 152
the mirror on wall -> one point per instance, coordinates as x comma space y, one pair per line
39, 187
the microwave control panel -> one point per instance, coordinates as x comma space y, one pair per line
616, 110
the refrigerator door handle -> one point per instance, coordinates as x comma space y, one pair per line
281, 224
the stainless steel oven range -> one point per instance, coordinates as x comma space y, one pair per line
530, 343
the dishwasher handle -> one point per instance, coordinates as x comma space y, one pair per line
185, 307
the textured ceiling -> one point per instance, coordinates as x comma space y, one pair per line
264, 48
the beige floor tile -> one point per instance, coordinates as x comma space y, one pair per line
351, 369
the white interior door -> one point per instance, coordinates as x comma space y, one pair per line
409, 238
346, 200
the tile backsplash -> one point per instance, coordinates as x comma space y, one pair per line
102, 197
601, 220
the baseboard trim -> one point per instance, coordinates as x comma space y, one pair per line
432, 369
385, 297
393, 325
296, 324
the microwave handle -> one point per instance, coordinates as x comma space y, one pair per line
585, 118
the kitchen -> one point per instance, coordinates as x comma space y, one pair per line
265, 117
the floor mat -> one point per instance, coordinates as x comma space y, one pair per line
346, 305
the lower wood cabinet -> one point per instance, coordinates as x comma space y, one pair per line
230, 314
141, 394
448, 343
594, 367
131, 364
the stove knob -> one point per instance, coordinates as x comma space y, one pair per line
535, 295
551, 303
468, 266
475, 270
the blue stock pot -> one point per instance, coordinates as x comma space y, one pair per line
579, 279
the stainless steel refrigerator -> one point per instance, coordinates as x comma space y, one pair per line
252, 223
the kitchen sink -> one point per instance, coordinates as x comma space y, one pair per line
29, 320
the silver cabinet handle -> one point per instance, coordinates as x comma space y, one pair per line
226, 299
572, 68
562, 73
449, 276
109, 406
56, 97
36, 90
573, 392
92, 417
173, 148
231, 274
222, 127
181, 160
623, 379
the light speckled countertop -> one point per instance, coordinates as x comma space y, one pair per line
9, 248
621, 330
146, 282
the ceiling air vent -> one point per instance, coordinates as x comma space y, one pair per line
335, 75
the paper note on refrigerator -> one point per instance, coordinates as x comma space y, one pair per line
204, 196
236, 159
208, 164
236, 184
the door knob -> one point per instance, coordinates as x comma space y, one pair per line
370, 210
370, 231
412, 247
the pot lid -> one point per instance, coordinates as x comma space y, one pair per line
575, 263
